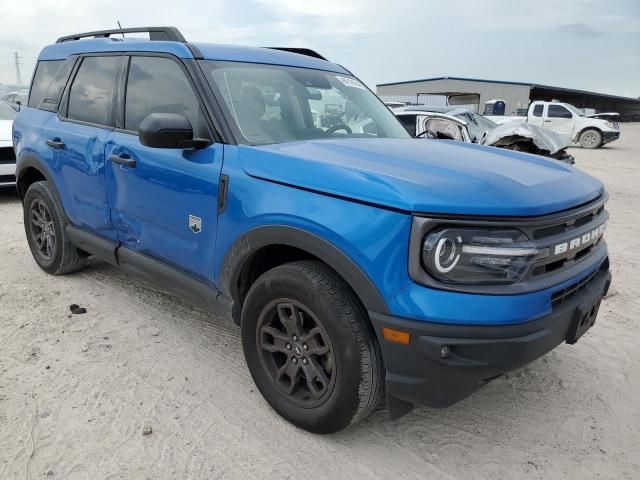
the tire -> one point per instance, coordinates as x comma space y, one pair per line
45, 225
590, 139
343, 380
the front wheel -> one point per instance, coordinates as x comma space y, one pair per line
310, 347
590, 139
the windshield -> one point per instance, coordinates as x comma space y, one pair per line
6, 112
477, 125
276, 104
575, 110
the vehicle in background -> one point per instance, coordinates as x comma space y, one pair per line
7, 156
568, 121
16, 99
452, 123
393, 105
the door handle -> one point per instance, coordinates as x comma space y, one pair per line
547, 121
55, 143
129, 162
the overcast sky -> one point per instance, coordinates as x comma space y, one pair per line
585, 44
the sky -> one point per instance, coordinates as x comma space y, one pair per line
584, 44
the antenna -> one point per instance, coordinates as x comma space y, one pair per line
120, 27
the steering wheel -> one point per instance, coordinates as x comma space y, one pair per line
427, 134
335, 128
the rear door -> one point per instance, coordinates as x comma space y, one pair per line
76, 141
559, 119
165, 206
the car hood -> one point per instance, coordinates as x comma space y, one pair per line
508, 133
5, 130
425, 176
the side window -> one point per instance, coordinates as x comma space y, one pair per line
90, 97
159, 85
558, 111
409, 122
537, 110
45, 73
52, 96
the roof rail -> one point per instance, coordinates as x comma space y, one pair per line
155, 33
302, 51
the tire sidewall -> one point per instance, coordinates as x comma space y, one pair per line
39, 191
338, 410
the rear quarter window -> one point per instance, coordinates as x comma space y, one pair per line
45, 74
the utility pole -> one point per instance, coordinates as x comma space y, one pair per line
17, 61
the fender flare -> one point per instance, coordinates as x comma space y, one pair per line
30, 161
245, 246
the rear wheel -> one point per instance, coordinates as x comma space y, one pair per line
590, 139
310, 348
45, 226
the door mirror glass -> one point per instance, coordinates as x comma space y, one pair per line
169, 130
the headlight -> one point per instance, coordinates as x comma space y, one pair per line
468, 256
612, 125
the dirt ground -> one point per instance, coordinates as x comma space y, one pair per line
77, 391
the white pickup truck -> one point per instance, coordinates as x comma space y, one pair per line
568, 121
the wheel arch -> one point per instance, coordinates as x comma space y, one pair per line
30, 170
263, 248
584, 129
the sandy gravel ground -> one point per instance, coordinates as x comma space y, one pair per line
77, 391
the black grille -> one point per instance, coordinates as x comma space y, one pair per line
7, 156
565, 294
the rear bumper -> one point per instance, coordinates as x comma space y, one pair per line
418, 374
608, 137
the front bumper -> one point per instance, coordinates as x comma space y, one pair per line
608, 137
418, 374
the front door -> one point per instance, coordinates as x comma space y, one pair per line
164, 201
559, 120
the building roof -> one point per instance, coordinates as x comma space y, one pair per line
505, 82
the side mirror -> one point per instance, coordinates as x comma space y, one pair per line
169, 130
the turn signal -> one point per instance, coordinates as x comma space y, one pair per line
395, 336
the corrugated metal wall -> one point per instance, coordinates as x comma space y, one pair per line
515, 96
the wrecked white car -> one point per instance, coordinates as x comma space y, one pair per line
453, 123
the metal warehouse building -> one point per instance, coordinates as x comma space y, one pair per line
473, 93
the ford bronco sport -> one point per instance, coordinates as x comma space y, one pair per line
355, 262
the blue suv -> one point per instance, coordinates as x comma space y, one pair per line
271, 186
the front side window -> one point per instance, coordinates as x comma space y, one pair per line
159, 85
558, 111
44, 75
275, 104
91, 94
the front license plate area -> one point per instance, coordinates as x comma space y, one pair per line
583, 319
